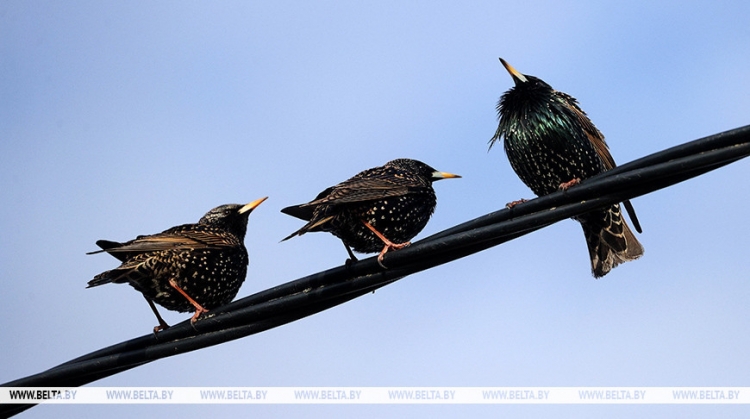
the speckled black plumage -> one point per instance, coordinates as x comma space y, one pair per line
397, 199
550, 142
207, 260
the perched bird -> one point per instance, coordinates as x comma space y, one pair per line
192, 267
379, 208
551, 145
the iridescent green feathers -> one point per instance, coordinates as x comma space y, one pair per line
550, 142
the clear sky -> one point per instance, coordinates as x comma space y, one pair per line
127, 118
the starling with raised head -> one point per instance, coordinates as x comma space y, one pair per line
552, 144
376, 210
188, 268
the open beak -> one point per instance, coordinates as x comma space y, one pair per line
517, 77
251, 206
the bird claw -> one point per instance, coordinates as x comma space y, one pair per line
194, 319
198, 308
161, 326
512, 204
397, 246
390, 245
565, 185
198, 311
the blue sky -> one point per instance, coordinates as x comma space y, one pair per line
126, 118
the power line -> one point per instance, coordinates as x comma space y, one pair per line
303, 297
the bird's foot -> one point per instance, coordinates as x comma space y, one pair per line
161, 326
512, 204
388, 246
352, 259
565, 185
349, 265
198, 308
198, 311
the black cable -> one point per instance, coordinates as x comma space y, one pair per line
303, 297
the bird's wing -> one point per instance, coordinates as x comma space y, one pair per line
372, 184
190, 239
137, 256
600, 146
596, 138
367, 189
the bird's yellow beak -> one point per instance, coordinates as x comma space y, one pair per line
513, 72
251, 206
443, 175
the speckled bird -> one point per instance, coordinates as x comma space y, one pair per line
188, 268
552, 144
376, 210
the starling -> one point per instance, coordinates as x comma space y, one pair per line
192, 267
379, 208
551, 144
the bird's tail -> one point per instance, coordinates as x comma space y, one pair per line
101, 279
108, 276
311, 226
609, 239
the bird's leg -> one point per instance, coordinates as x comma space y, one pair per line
565, 185
388, 244
512, 204
162, 324
352, 258
198, 308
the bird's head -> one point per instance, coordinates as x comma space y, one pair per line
232, 217
530, 96
424, 170
524, 81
